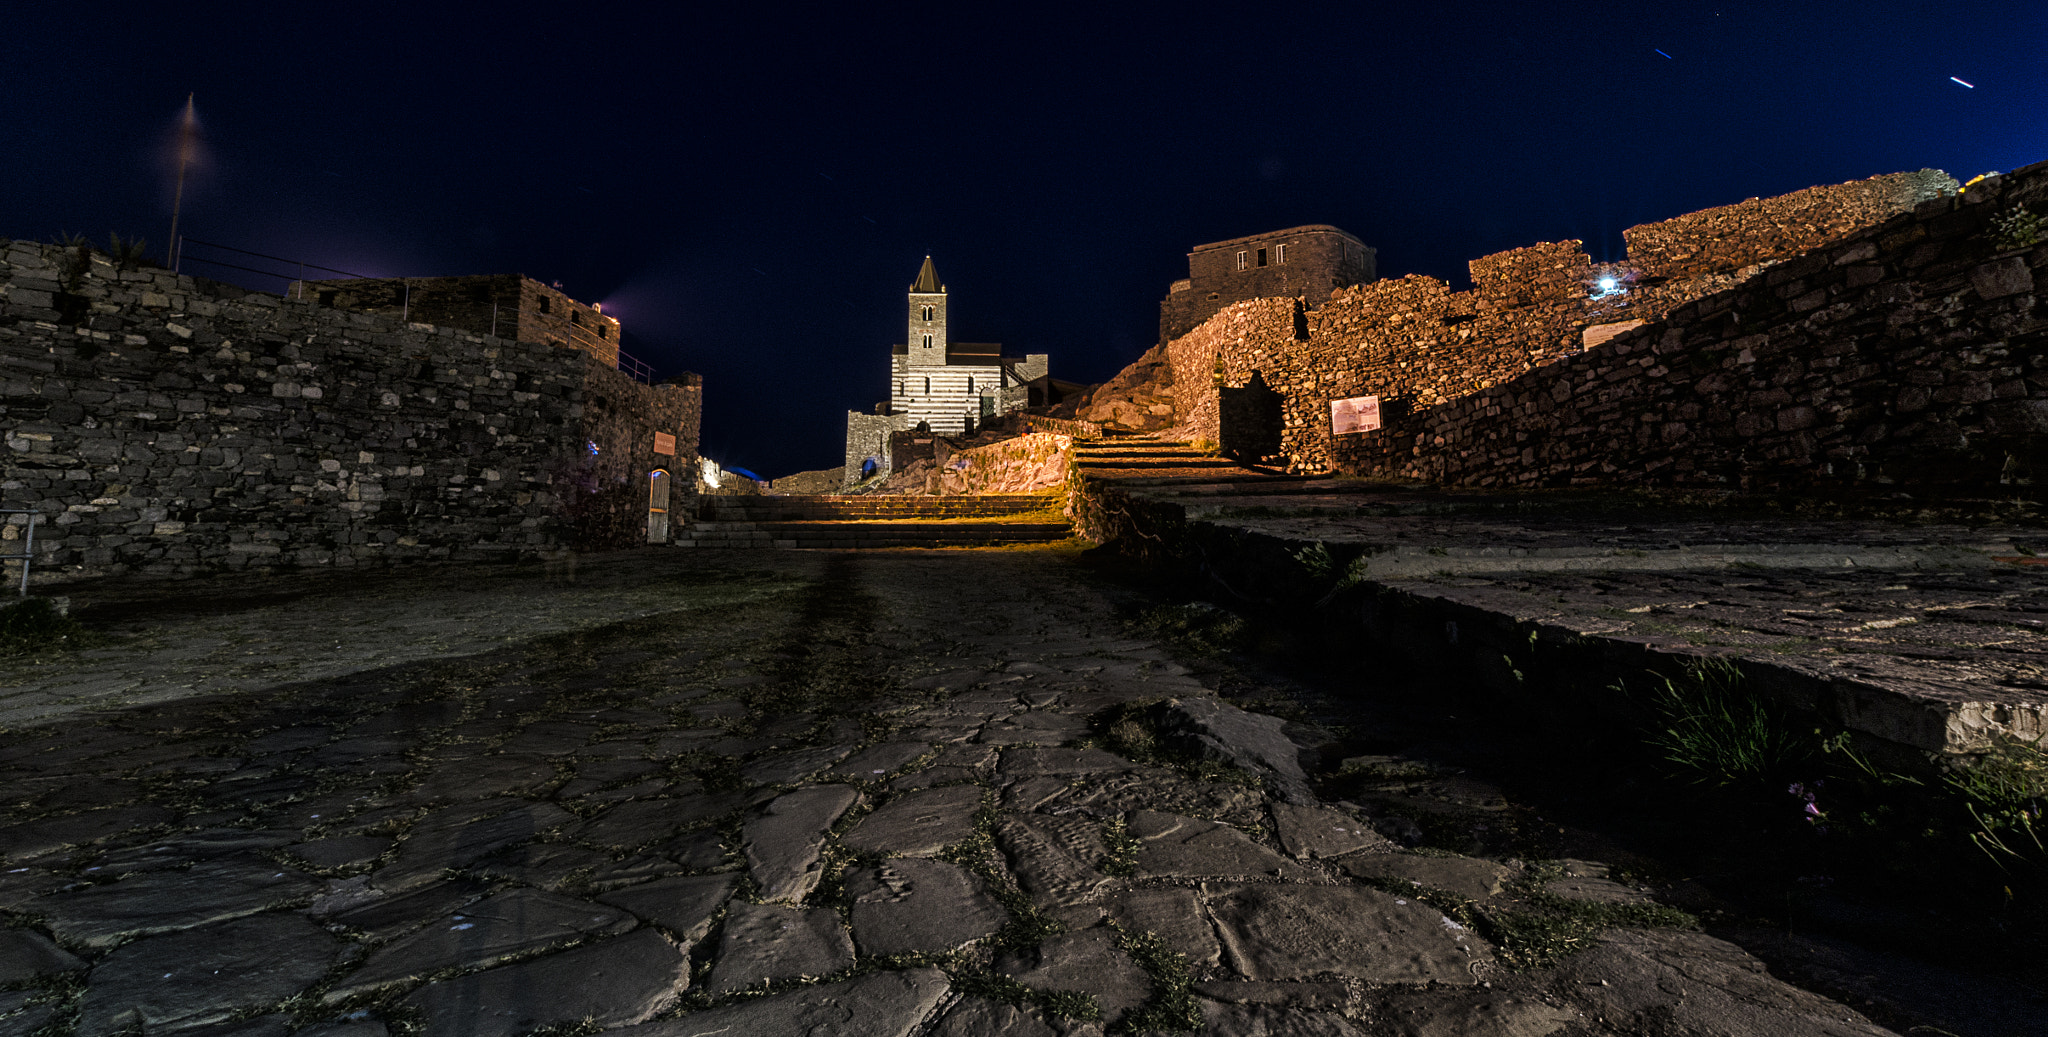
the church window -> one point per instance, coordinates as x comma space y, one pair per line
927, 313
970, 385
1262, 257
1280, 254
927, 386
1241, 260
899, 388
927, 342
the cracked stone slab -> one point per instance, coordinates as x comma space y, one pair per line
782, 842
980, 1017
517, 921
683, 905
915, 905
1694, 983
188, 847
1037, 762
341, 851
1253, 742
356, 906
641, 821
1287, 932
1175, 915
1318, 996
616, 982
481, 776
204, 975
1466, 876
546, 865
1036, 727
164, 901
1055, 859
791, 767
18, 1018
1592, 881
458, 836
1173, 846
768, 942
1156, 788
1455, 1015
31, 838
26, 954
919, 824
1258, 1020
881, 1004
1088, 961
1319, 831
878, 761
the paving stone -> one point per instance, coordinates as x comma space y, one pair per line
593, 775
1037, 761
276, 1024
1694, 983
919, 824
1447, 1014
980, 1017
616, 982
1161, 789
341, 851
515, 922
459, 836
164, 901
632, 871
916, 905
643, 821
26, 954
383, 917
27, 1019
767, 942
1321, 996
545, 865
782, 842
931, 776
1172, 913
1036, 727
878, 761
288, 740
881, 1004
1590, 881
204, 975
1250, 741
1284, 932
1320, 831
683, 905
479, 776
791, 767
1055, 859
348, 1028
1087, 961
696, 851
29, 839
1172, 846
182, 848
1466, 876
1270, 1021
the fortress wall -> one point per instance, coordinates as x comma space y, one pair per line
1417, 344
1910, 356
168, 424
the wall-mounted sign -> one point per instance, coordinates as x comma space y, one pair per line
1354, 414
665, 443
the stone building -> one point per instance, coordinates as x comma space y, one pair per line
1305, 263
941, 385
508, 306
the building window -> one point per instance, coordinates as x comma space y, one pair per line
1241, 260
1280, 254
577, 318
927, 386
927, 342
1262, 257
970, 385
543, 304
928, 313
899, 388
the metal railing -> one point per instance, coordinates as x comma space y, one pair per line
28, 553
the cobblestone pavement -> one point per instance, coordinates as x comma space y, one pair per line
936, 793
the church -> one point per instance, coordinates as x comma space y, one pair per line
938, 385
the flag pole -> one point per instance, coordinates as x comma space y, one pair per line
178, 201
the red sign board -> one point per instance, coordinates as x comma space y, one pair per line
665, 443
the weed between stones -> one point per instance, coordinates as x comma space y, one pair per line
1171, 1007
35, 627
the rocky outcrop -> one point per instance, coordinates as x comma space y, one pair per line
1140, 396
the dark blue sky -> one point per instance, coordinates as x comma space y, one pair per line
752, 193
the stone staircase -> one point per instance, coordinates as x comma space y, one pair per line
868, 522
1157, 459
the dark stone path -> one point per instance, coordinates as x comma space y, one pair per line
759, 793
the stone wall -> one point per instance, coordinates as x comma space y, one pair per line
169, 424
1024, 464
1912, 356
1416, 344
510, 306
1319, 258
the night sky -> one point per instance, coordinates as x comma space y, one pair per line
751, 194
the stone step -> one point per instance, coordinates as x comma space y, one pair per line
866, 535
827, 508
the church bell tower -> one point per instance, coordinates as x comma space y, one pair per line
927, 341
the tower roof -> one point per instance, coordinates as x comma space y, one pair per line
928, 279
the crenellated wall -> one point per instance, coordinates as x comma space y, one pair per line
1417, 344
167, 424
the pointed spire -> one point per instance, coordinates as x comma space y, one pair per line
927, 279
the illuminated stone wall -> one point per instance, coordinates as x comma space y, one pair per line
1418, 344
508, 306
169, 424
1319, 258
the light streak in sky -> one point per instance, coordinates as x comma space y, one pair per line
1666, 56
1972, 86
